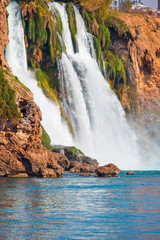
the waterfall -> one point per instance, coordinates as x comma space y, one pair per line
16, 57
98, 119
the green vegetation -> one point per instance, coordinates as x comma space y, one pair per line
117, 25
41, 31
98, 8
72, 24
8, 106
104, 36
76, 151
46, 141
49, 92
73, 150
115, 69
44, 46
59, 23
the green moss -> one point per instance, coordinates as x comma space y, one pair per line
104, 36
97, 45
49, 92
8, 106
31, 29
118, 25
59, 23
55, 44
46, 141
72, 24
115, 69
41, 32
76, 151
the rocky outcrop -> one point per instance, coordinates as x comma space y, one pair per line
140, 52
21, 150
77, 167
74, 154
130, 172
109, 170
3, 32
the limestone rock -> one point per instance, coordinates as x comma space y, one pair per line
142, 52
3, 32
130, 173
109, 170
77, 167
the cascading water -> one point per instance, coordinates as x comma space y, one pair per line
16, 57
97, 117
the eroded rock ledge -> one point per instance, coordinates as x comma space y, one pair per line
21, 150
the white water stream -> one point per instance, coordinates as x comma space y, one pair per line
16, 57
98, 119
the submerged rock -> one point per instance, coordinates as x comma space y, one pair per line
88, 175
20, 175
77, 167
109, 170
85, 174
130, 173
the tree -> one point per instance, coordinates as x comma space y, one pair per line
127, 5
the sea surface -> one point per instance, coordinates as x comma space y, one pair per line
74, 207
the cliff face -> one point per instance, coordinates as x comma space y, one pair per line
21, 150
3, 31
142, 51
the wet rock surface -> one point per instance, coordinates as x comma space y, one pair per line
130, 173
74, 154
77, 167
109, 170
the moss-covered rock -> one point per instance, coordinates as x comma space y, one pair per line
74, 154
8, 106
72, 24
46, 141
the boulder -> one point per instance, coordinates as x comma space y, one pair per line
77, 167
130, 173
62, 161
109, 170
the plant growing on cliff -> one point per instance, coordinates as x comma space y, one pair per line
8, 106
46, 141
104, 36
72, 24
99, 8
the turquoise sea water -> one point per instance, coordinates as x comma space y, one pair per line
74, 207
